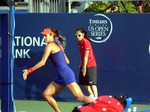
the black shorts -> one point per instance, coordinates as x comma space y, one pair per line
90, 77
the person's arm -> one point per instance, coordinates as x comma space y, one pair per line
85, 62
41, 63
66, 58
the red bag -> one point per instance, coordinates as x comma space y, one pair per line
103, 104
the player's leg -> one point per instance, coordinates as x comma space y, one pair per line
92, 80
89, 90
148, 3
95, 91
48, 93
83, 82
141, 7
76, 91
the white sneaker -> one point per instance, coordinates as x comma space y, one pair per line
95, 98
91, 96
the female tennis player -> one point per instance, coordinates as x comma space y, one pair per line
65, 76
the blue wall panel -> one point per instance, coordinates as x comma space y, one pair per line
121, 49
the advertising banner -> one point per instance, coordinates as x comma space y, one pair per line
121, 44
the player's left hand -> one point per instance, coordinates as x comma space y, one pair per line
84, 72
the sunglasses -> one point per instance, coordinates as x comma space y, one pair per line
78, 35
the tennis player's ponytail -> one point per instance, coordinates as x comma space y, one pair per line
60, 39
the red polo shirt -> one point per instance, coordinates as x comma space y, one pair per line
84, 45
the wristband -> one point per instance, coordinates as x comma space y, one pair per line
30, 70
83, 68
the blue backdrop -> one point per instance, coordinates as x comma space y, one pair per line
120, 43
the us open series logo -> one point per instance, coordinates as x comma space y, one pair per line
100, 28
